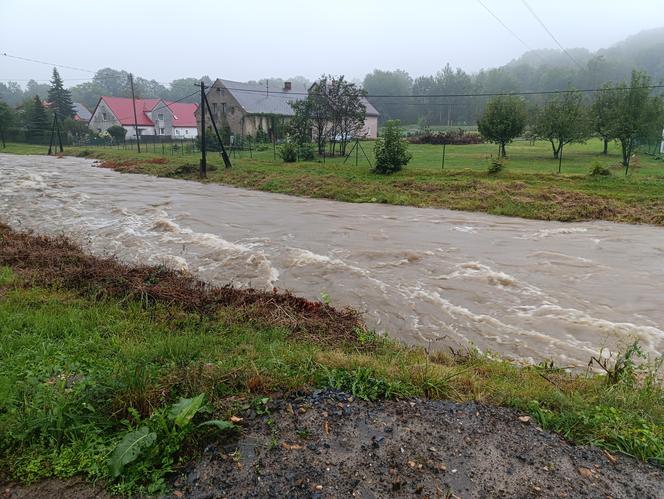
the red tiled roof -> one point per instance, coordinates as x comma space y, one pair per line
183, 113
123, 110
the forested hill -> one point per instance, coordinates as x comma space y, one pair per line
534, 71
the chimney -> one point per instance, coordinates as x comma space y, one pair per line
287, 86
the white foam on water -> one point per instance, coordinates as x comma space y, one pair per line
479, 271
544, 233
501, 333
465, 228
652, 338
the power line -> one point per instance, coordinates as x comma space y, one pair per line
504, 25
5, 54
52, 64
550, 34
479, 94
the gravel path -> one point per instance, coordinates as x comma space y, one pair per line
328, 445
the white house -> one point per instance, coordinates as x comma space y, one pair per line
153, 117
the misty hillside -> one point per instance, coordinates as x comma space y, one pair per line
644, 51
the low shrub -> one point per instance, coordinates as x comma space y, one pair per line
306, 152
288, 152
454, 137
600, 171
496, 166
391, 150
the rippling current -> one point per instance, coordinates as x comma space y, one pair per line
526, 289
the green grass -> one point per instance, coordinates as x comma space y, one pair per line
77, 375
528, 187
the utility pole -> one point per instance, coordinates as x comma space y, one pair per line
57, 127
2, 136
50, 144
203, 167
133, 101
442, 163
224, 155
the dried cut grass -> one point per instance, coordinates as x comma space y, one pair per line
56, 261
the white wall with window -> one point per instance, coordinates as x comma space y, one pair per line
185, 132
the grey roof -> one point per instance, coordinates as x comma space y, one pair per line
82, 111
256, 99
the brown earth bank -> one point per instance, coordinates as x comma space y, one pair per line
328, 444
57, 261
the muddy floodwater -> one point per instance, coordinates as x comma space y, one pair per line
527, 289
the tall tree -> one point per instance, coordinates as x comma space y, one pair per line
637, 115
601, 112
504, 120
37, 122
563, 120
60, 98
348, 110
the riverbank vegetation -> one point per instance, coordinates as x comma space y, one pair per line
124, 374
528, 185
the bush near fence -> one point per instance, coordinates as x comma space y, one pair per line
454, 137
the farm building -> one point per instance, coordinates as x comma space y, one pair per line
155, 117
246, 108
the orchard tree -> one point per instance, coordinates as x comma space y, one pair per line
60, 98
334, 109
563, 120
637, 115
348, 110
504, 120
601, 113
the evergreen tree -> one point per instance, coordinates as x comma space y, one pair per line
37, 121
60, 98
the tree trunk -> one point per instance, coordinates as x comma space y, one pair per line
606, 147
554, 149
626, 153
503, 152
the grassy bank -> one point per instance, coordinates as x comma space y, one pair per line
529, 187
94, 354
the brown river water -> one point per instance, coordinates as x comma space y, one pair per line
526, 289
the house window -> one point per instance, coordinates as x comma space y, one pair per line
214, 107
161, 131
232, 109
223, 108
186, 132
160, 116
103, 116
177, 132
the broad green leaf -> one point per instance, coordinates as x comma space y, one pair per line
129, 448
220, 424
183, 411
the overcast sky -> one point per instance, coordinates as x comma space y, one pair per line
250, 39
